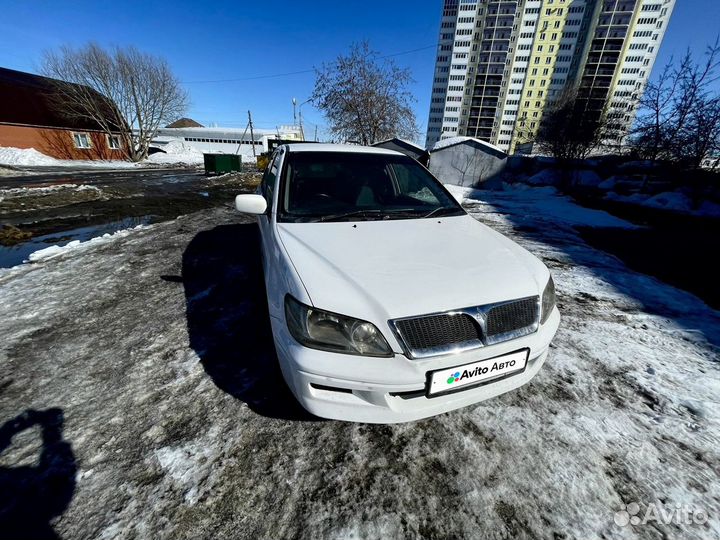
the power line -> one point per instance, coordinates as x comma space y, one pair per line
292, 73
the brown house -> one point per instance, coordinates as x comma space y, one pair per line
31, 118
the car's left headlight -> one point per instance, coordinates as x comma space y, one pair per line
548, 300
327, 331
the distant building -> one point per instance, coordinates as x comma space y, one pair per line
465, 161
184, 123
406, 147
218, 140
502, 63
31, 118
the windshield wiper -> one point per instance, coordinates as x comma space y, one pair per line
359, 213
439, 210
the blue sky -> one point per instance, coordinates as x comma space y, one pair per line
220, 40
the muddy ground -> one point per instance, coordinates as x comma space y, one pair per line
40, 205
56, 208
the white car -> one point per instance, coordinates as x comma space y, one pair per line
388, 302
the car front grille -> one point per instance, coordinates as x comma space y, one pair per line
512, 316
438, 330
468, 328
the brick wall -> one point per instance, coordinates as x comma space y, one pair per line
57, 143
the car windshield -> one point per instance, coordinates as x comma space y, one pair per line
344, 186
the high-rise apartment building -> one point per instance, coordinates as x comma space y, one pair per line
501, 63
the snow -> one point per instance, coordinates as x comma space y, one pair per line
177, 152
444, 143
178, 429
586, 178
672, 200
544, 204
709, 209
635, 198
553, 177
44, 190
608, 184
29, 157
24, 156
53, 251
678, 202
546, 177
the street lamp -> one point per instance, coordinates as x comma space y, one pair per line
302, 129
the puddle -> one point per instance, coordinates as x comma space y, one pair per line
13, 255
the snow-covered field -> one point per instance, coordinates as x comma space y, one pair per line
146, 359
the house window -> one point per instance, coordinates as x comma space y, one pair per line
113, 142
82, 140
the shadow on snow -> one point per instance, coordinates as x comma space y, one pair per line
228, 321
32, 495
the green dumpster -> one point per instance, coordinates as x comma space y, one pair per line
222, 163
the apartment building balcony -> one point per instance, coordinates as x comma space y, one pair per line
595, 70
486, 83
607, 58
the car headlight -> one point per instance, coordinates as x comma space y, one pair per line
327, 331
548, 300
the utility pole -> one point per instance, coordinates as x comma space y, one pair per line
252, 135
302, 129
316, 134
294, 102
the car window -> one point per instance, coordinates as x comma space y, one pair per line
325, 186
269, 179
411, 181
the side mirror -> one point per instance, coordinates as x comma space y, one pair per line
251, 204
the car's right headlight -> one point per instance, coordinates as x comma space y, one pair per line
548, 300
332, 332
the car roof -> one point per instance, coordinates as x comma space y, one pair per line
346, 148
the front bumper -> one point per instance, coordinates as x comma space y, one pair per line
389, 390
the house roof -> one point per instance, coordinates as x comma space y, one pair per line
454, 141
184, 123
27, 99
402, 142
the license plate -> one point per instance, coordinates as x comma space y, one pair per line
457, 378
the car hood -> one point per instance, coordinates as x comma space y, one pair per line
381, 270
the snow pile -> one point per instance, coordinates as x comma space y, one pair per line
177, 152
53, 251
709, 209
586, 178
543, 204
635, 198
546, 177
608, 184
24, 156
671, 200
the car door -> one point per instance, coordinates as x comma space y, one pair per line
272, 263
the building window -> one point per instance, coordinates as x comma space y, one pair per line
113, 142
82, 140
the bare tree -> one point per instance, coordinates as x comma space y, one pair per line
566, 131
141, 92
680, 112
365, 99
